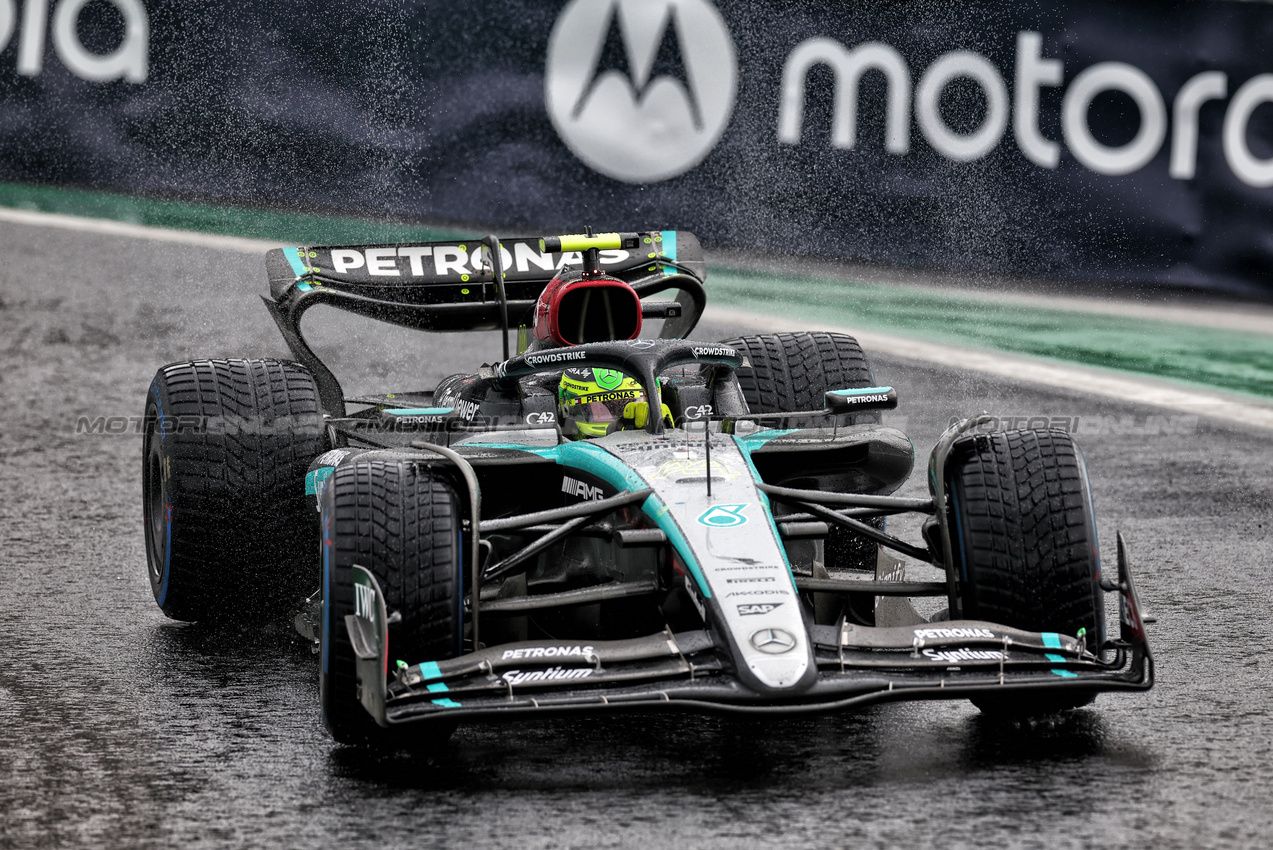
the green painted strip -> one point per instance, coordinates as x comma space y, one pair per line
750, 442
550, 452
293, 256
1052, 640
668, 241
1064, 674
745, 450
430, 670
595, 460
446, 703
301, 228
1213, 358
655, 509
1210, 358
417, 411
862, 391
437, 687
316, 478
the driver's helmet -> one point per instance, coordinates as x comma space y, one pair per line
594, 402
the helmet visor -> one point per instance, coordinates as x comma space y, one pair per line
602, 407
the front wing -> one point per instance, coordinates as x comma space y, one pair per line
692, 670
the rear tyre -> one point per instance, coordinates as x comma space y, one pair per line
229, 534
402, 524
1025, 544
794, 371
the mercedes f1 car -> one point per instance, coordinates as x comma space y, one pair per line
605, 520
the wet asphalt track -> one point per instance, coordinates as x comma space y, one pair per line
119, 728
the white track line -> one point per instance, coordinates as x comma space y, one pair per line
1197, 311
1247, 317
137, 231
1081, 379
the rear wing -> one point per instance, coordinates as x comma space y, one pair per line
458, 285
460, 272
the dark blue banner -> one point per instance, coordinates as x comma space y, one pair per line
1127, 143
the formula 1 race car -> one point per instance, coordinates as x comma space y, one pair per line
604, 520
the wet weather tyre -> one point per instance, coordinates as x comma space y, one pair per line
402, 523
1025, 543
230, 535
794, 371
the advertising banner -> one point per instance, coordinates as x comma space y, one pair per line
1125, 142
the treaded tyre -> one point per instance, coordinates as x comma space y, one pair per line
402, 523
229, 534
1025, 543
793, 371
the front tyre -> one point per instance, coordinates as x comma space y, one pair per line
793, 371
229, 534
1025, 543
402, 523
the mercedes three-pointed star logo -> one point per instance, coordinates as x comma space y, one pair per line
773, 641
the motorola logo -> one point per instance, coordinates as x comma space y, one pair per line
640, 90
1034, 72
130, 60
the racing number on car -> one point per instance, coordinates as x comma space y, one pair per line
723, 516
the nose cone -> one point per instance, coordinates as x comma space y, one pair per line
778, 658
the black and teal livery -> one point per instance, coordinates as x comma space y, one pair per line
476, 561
